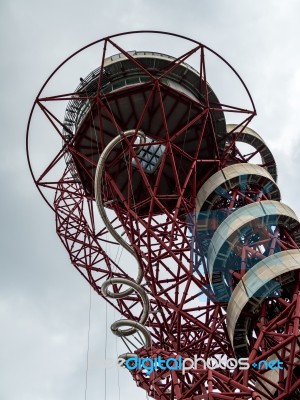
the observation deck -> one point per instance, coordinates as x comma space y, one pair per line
144, 93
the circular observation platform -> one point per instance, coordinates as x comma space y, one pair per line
169, 103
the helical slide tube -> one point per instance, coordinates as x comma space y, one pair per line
133, 326
98, 196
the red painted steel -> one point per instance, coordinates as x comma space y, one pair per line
161, 226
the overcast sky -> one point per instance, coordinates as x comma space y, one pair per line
44, 302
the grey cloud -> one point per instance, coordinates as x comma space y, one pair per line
44, 302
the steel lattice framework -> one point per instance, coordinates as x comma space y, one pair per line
144, 142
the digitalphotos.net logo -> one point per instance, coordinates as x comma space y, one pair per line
149, 365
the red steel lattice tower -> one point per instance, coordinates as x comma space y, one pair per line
141, 158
